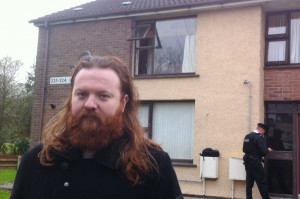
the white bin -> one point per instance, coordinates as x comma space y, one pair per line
209, 167
236, 169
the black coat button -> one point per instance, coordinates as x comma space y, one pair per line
66, 184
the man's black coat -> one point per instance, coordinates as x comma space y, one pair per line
74, 177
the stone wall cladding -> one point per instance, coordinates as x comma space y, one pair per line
282, 84
66, 42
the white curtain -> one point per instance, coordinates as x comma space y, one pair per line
188, 63
173, 128
143, 113
276, 51
277, 25
276, 30
295, 40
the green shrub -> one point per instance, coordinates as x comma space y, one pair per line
21, 146
8, 148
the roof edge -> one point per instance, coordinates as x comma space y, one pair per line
189, 9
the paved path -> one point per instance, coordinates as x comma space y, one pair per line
7, 187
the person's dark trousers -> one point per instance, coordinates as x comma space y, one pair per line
255, 172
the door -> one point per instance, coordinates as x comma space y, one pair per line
298, 166
279, 163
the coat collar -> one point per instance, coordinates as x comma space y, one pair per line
108, 157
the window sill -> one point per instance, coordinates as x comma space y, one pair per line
176, 164
183, 163
282, 66
166, 76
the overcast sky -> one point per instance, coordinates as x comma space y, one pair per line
18, 37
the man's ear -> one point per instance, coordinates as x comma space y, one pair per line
124, 102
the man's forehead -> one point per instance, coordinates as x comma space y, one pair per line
91, 76
101, 73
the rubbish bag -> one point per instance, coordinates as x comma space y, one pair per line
209, 152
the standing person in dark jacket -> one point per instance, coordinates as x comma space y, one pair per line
95, 146
255, 149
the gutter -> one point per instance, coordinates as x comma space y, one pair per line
155, 13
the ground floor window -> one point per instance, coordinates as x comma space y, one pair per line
171, 124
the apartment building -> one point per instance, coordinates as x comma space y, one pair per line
207, 71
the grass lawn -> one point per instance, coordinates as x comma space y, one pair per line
7, 176
4, 195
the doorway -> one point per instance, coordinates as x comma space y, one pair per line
298, 151
283, 120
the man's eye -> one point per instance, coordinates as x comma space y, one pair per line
104, 97
81, 94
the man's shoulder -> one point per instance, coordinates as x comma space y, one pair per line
30, 159
248, 135
252, 134
158, 154
153, 149
33, 152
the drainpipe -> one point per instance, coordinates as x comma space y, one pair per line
44, 77
249, 83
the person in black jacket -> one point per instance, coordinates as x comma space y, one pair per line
255, 149
95, 146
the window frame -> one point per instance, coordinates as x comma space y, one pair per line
137, 50
133, 33
147, 34
149, 131
279, 37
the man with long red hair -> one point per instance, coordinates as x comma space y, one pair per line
95, 146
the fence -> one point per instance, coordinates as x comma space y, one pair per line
9, 161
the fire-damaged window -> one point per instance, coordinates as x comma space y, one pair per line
164, 47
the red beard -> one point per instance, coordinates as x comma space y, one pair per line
88, 131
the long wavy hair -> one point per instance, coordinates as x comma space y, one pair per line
135, 156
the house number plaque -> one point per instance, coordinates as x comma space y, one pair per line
60, 80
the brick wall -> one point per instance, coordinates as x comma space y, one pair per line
38, 88
282, 84
66, 42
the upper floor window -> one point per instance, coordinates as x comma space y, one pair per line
165, 46
283, 38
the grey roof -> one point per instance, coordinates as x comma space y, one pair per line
105, 8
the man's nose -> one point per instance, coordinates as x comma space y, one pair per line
90, 103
